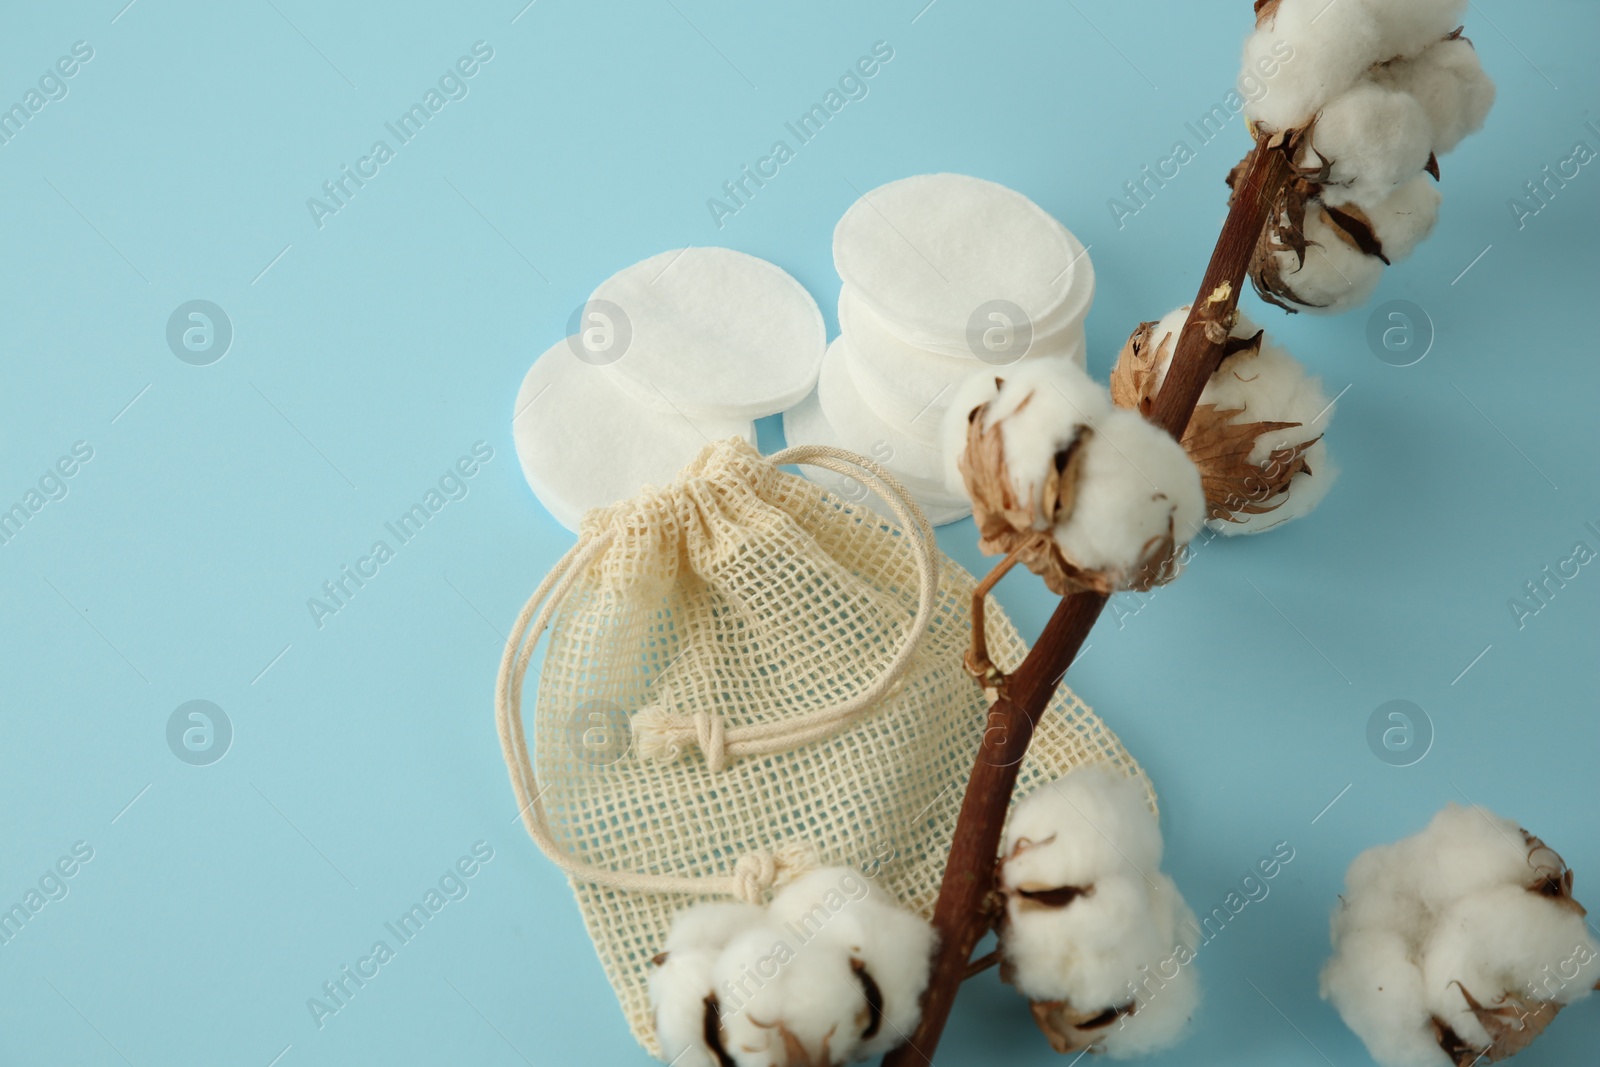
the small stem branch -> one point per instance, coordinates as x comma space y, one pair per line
981, 964
959, 914
978, 662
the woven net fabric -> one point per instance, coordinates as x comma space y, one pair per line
750, 593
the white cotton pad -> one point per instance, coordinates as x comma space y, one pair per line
583, 443
911, 387
863, 430
711, 333
805, 424
928, 252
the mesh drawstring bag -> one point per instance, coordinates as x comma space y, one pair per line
746, 677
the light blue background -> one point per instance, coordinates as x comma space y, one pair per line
380, 347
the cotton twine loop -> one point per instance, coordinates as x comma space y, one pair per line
758, 872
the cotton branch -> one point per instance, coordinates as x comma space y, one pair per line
960, 916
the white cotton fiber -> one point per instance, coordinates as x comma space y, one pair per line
805, 424
583, 443
1373, 138
1041, 409
1374, 980
1334, 276
1087, 824
1310, 51
1315, 50
887, 945
1089, 951
1409, 26
1167, 990
1503, 939
1459, 909
1136, 485
1449, 82
680, 983
1406, 216
785, 994
1265, 384
927, 252
713, 333
1463, 851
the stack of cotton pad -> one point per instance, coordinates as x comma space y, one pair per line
668, 355
944, 274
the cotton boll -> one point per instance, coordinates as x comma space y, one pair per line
1315, 50
1334, 276
1373, 138
1088, 496
1079, 855
889, 948
1136, 487
1449, 82
1093, 932
682, 979
781, 1002
1406, 217
1377, 990
1458, 944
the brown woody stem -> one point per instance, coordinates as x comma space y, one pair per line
959, 915
982, 963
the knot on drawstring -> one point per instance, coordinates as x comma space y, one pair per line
758, 872
662, 734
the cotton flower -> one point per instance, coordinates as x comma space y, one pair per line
1256, 435
1088, 495
1448, 81
832, 971
683, 984
1458, 945
1092, 928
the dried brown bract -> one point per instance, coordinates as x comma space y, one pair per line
1220, 445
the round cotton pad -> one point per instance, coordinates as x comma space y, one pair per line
583, 443
863, 430
710, 333
911, 387
931, 252
805, 424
